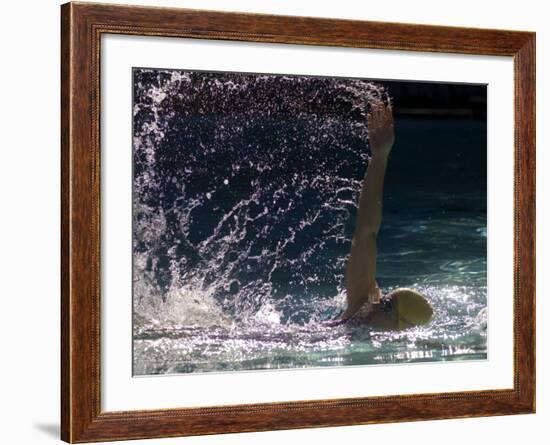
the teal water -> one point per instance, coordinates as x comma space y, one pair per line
452, 278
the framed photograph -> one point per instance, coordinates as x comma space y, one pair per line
274, 222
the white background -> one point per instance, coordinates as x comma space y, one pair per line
29, 239
120, 392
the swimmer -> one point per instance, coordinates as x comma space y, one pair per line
400, 308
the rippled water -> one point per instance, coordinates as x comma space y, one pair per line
245, 191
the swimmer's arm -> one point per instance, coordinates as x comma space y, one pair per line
361, 267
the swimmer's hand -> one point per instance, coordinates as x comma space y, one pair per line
381, 134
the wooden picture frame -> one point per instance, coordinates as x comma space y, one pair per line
82, 25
